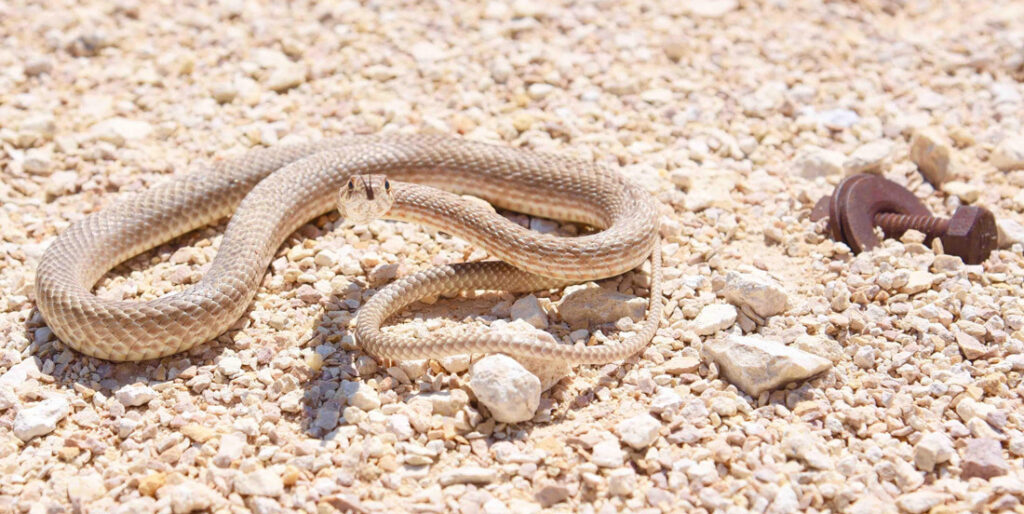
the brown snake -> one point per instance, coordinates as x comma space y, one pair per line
273, 192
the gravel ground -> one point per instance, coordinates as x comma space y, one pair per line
788, 374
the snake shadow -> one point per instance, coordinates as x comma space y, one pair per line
324, 403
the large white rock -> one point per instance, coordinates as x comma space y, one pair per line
589, 304
509, 391
756, 365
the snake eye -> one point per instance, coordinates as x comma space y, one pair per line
351, 184
387, 185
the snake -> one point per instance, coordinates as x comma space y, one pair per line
270, 192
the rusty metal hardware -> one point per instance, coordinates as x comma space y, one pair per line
862, 202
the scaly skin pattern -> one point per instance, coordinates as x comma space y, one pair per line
274, 191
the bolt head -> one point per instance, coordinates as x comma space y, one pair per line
971, 234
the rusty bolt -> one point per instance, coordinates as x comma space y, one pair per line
861, 202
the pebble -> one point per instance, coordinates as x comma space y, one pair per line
468, 475
983, 458
224, 93
41, 418
838, 119
812, 162
230, 449
680, 365
552, 494
20, 372
966, 192
38, 162
1010, 231
398, 424
61, 183
197, 432
865, 357
666, 400
134, 395
711, 8
118, 131
284, 78
586, 305
455, 363
608, 454
639, 431
188, 496
922, 501
528, 309
622, 482
509, 391
425, 51
918, 281
540, 90
755, 364
932, 153
713, 318
229, 365
38, 66
933, 449
754, 291
1009, 154
263, 482
360, 395
873, 157
971, 347
785, 501
969, 409
86, 488
36, 129
447, 403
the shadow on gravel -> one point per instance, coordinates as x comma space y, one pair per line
324, 402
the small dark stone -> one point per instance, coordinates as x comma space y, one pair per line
552, 494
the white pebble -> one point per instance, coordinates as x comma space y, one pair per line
509, 391
639, 431
133, 395
360, 394
713, 318
528, 309
41, 418
229, 365
608, 454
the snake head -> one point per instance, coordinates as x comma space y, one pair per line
365, 198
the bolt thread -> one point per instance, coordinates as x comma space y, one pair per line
895, 224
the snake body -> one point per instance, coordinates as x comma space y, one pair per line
272, 192
483, 227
